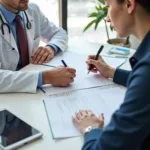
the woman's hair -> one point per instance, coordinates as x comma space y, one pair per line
144, 3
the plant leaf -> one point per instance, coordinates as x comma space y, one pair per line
98, 20
97, 8
100, 15
111, 27
94, 14
90, 24
105, 9
102, 1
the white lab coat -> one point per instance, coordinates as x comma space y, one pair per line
17, 81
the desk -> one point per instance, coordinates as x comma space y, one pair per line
30, 108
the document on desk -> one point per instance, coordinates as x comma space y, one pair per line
61, 107
77, 60
82, 80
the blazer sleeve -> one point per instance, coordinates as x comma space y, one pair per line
130, 124
121, 76
18, 81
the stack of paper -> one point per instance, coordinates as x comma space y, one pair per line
93, 92
61, 107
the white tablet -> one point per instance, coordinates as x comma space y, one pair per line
14, 132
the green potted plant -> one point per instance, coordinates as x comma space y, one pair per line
99, 15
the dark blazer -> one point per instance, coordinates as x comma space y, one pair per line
129, 128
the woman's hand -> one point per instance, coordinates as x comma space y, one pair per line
86, 118
101, 66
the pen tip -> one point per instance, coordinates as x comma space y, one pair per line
88, 72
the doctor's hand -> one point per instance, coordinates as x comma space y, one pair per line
43, 55
100, 66
86, 118
60, 76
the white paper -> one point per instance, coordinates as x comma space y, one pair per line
114, 62
82, 80
61, 107
78, 61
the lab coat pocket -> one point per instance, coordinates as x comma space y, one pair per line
36, 43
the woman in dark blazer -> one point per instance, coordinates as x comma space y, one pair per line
129, 128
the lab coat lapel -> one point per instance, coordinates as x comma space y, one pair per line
30, 33
8, 36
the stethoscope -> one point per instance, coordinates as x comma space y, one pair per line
28, 24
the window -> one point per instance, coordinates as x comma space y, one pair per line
78, 11
49, 8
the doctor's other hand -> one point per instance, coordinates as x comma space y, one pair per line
85, 118
43, 55
61, 76
100, 66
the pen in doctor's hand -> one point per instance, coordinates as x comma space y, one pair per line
63, 62
96, 58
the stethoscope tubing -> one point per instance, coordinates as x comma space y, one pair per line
28, 24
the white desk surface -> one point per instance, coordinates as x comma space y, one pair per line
30, 108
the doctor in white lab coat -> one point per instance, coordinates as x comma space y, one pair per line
17, 81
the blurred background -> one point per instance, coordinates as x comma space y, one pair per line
78, 11
77, 19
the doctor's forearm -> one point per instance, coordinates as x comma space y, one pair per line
46, 77
18, 81
56, 48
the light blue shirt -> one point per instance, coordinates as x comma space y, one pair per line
10, 18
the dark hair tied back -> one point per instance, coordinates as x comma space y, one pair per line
144, 3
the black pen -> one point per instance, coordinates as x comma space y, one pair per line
96, 57
63, 62
42, 90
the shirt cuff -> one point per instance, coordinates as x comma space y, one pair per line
56, 48
40, 79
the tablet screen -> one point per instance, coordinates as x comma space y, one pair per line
13, 129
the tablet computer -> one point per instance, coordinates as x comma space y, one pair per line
14, 132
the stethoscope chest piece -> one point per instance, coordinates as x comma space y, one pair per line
29, 26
